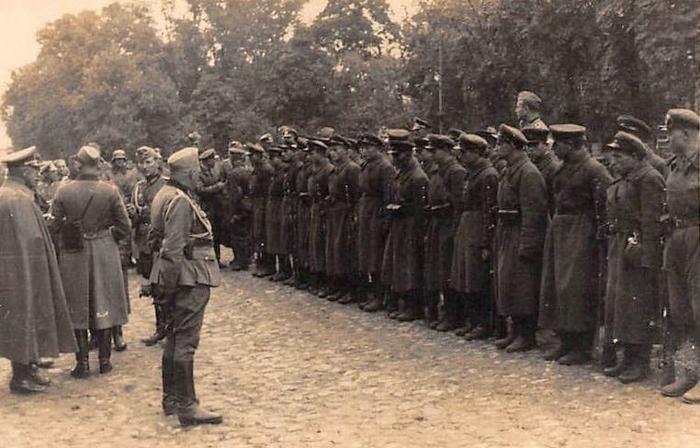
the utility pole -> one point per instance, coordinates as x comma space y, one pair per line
441, 111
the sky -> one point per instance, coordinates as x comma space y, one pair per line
20, 20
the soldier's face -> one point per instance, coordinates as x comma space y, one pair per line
680, 139
562, 149
623, 163
402, 158
31, 176
521, 109
468, 157
504, 148
119, 163
147, 166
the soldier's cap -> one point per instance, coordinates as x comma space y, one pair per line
490, 134
278, 148
118, 154
88, 155
535, 134
339, 140
26, 156
635, 126
255, 148
287, 131
514, 135
186, 159
628, 143
47, 167
303, 144
145, 152
207, 154
266, 139
399, 140
59, 163
567, 132
455, 133
422, 143
317, 145
325, 133
530, 99
419, 124
472, 142
368, 139
236, 147
682, 119
439, 141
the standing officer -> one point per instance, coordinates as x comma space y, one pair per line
574, 251
303, 218
444, 195
185, 270
528, 107
522, 222
641, 130
472, 261
343, 193
91, 218
35, 321
139, 209
402, 266
259, 187
634, 208
212, 190
541, 155
290, 207
123, 177
682, 252
273, 213
318, 189
237, 179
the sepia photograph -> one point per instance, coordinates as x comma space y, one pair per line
349, 223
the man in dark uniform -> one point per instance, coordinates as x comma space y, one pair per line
259, 187
302, 219
444, 194
402, 266
274, 246
139, 209
213, 193
318, 189
543, 157
375, 180
237, 176
643, 131
91, 218
528, 107
634, 209
574, 248
472, 262
35, 321
290, 205
522, 222
185, 270
682, 253
343, 194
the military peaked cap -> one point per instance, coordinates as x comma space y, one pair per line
564, 132
209, 153
627, 143
399, 140
317, 145
439, 141
26, 156
186, 159
683, 119
420, 124
472, 142
535, 134
255, 148
88, 155
514, 135
370, 140
635, 126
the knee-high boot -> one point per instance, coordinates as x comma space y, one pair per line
189, 413
118, 336
104, 345
82, 356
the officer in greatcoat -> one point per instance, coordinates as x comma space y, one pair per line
472, 262
522, 222
375, 181
237, 176
402, 266
641, 130
213, 194
185, 269
682, 252
35, 321
634, 208
274, 246
139, 209
290, 207
574, 248
259, 188
318, 190
302, 219
90, 217
540, 153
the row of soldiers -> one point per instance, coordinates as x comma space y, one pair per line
488, 233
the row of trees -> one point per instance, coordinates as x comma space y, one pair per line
232, 69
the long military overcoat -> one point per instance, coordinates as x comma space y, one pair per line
273, 211
343, 192
259, 187
318, 189
303, 215
376, 178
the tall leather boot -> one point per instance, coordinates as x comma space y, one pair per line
637, 365
464, 312
82, 356
686, 379
21, 382
104, 345
411, 309
347, 293
118, 336
509, 337
325, 284
376, 302
580, 344
450, 319
525, 335
171, 398
189, 412
159, 333
391, 303
432, 299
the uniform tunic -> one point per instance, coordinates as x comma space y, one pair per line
273, 211
259, 187
548, 165
237, 180
634, 208
35, 320
142, 198
522, 222
303, 215
570, 278
376, 177
212, 191
92, 277
343, 193
402, 266
318, 190
477, 225
444, 194
289, 208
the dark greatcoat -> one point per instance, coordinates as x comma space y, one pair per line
92, 278
548, 165
238, 180
303, 215
215, 201
634, 209
289, 208
522, 222
376, 178
444, 194
343, 193
402, 266
35, 320
477, 226
318, 189
142, 198
273, 211
259, 187
571, 257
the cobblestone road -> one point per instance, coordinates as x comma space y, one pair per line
290, 370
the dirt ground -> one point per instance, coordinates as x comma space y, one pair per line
287, 369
